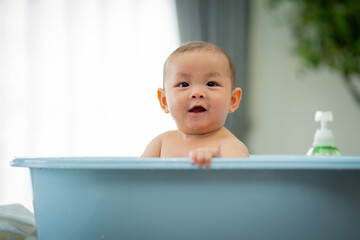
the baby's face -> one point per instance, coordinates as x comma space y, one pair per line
198, 91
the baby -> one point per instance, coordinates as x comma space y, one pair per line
199, 92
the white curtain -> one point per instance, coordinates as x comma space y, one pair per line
79, 78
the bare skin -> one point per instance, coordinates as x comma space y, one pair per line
199, 148
198, 94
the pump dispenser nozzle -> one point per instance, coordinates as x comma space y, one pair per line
323, 117
323, 136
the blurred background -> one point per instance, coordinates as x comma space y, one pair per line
79, 78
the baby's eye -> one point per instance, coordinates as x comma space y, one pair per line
183, 84
211, 84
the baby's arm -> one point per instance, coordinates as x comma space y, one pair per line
153, 149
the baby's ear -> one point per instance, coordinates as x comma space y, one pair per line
162, 100
235, 99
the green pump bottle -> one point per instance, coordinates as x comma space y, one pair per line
324, 139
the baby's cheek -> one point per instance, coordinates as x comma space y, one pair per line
221, 113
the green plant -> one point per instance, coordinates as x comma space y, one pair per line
327, 33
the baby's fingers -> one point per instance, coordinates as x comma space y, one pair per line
207, 159
204, 158
201, 158
196, 157
192, 156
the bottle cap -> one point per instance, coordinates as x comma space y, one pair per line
323, 136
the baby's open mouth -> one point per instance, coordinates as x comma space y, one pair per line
197, 109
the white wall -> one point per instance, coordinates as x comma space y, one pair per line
282, 101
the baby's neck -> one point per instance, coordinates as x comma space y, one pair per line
198, 136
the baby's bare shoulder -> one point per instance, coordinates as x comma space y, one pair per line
164, 136
169, 134
231, 146
154, 148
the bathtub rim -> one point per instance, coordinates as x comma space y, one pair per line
253, 162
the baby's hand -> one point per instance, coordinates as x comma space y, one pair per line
204, 155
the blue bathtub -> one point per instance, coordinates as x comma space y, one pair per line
263, 197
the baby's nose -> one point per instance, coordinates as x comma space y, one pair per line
197, 93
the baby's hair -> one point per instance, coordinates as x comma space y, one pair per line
200, 45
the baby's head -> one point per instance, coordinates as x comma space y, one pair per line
201, 46
199, 87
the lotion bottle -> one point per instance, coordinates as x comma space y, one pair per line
324, 139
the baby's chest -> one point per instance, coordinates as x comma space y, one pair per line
182, 149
